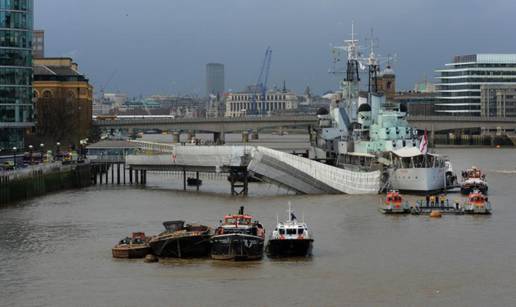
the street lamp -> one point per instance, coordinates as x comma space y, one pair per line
14, 156
57, 150
30, 154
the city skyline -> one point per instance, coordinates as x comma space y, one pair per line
170, 46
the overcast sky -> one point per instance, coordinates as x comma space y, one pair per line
162, 46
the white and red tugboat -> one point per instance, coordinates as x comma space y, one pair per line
290, 238
473, 179
394, 204
238, 238
477, 203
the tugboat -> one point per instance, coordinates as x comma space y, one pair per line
477, 203
238, 238
180, 241
394, 204
290, 238
473, 179
136, 246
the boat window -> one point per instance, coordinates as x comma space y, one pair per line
282, 231
300, 231
291, 231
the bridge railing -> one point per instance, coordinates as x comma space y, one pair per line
461, 118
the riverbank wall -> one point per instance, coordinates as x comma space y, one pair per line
39, 180
468, 140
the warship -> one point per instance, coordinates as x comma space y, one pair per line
366, 131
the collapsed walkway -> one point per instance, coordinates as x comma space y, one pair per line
300, 174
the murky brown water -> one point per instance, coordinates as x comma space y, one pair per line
56, 250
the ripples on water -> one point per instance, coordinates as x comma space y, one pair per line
56, 250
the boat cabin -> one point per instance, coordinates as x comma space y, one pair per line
393, 198
291, 231
238, 219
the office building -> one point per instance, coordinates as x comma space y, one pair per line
460, 83
215, 79
498, 100
64, 101
38, 44
239, 104
16, 108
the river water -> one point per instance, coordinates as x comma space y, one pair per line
56, 250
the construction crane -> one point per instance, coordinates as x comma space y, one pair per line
259, 92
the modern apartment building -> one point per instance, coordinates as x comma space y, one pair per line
460, 83
16, 108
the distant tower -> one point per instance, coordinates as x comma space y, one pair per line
387, 82
215, 79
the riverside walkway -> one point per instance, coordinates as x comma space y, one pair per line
300, 174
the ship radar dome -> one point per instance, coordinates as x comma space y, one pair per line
364, 108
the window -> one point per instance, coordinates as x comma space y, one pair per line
282, 231
291, 231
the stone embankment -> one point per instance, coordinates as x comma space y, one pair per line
37, 180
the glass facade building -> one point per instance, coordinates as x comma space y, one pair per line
215, 79
460, 83
16, 107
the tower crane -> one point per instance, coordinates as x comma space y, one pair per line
259, 92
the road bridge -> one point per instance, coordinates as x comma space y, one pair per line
219, 126
442, 123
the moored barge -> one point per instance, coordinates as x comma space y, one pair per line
182, 241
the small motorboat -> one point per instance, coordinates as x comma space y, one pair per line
394, 204
477, 203
290, 238
136, 246
473, 179
182, 241
238, 238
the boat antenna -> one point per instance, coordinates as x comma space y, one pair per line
277, 219
289, 211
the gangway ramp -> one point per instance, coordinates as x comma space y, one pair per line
300, 174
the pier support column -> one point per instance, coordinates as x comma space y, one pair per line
100, 173
130, 175
219, 137
123, 170
197, 178
239, 182
142, 177
245, 137
106, 169
112, 174
136, 176
184, 179
118, 173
